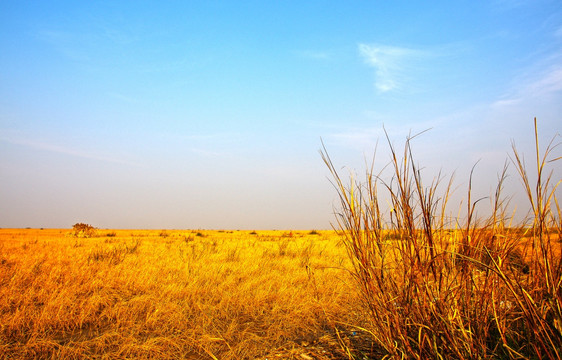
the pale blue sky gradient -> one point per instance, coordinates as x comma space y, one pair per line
209, 114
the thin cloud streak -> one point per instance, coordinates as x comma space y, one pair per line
538, 84
550, 82
64, 150
389, 63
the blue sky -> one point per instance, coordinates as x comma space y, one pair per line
209, 114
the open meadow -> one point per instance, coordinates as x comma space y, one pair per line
173, 294
195, 294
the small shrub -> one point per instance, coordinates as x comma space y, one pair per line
83, 230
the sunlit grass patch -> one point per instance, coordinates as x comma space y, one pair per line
139, 295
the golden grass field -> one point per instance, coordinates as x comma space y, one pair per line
175, 295
196, 294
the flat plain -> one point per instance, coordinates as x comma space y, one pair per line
175, 294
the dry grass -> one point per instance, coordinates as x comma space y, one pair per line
172, 295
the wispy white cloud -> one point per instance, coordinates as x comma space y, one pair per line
549, 82
505, 103
543, 79
391, 64
44, 146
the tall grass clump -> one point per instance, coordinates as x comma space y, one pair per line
442, 288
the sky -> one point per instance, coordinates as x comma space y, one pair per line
211, 114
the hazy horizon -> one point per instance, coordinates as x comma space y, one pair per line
210, 114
